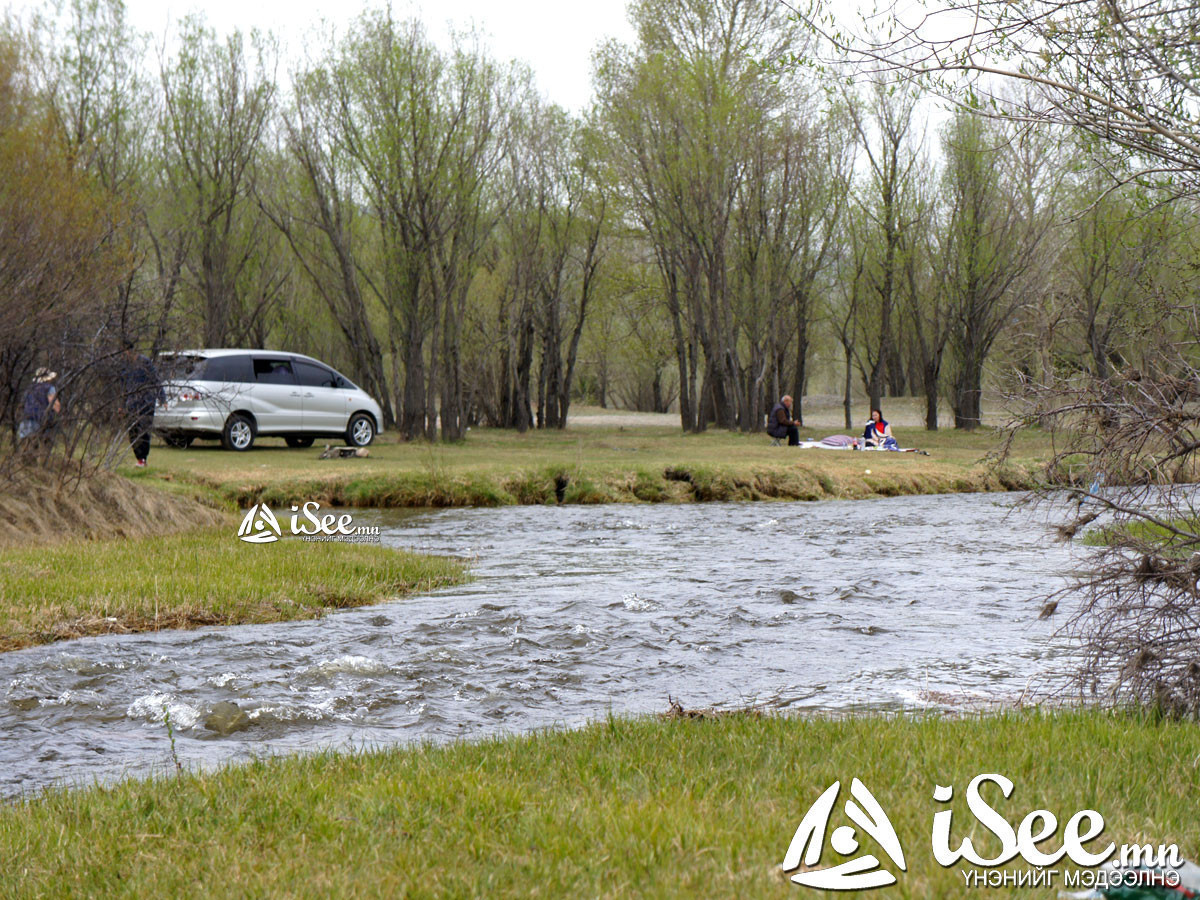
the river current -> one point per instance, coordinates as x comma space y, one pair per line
574, 612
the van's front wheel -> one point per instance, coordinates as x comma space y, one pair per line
360, 431
238, 433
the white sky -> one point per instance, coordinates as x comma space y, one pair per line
555, 39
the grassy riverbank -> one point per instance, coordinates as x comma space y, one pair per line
598, 465
627, 808
75, 588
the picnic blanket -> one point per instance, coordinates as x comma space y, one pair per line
846, 442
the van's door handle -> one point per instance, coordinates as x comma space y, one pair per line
295, 394
308, 394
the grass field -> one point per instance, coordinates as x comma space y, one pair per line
598, 464
625, 808
206, 577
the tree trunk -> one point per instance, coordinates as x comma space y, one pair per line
967, 407
931, 397
846, 401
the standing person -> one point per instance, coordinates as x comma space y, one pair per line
878, 430
40, 409
140, 391
781, 423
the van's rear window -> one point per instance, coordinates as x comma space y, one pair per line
179, 366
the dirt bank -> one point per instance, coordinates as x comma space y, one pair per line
45, 506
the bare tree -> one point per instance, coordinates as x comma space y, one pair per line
1122, 72
217, 102
427, 134
884, 130
1126, 447
325, 228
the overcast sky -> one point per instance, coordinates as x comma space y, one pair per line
556, 39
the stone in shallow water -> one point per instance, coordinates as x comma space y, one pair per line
226, 717
788, 596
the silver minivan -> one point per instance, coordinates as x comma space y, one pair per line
239, 395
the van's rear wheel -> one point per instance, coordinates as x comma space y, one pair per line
299, 443
238, 433
360, 431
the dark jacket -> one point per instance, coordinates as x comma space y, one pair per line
140, 387
779, 421
38, 401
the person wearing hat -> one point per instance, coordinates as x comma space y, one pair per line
40, 407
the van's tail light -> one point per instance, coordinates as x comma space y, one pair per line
189, 395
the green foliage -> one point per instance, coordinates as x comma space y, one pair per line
726, 223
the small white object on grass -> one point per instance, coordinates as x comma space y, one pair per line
868, 472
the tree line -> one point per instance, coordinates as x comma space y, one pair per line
728, 221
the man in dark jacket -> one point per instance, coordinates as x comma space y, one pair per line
780, 423
140, 391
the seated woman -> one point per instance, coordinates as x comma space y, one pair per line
878, 432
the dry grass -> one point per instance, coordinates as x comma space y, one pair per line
45, 506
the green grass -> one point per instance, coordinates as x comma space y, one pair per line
625, 808
1143, 532
196, 578
493, 467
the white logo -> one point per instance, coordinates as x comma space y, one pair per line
1131, 864
1086, 825
259, 526
858, 874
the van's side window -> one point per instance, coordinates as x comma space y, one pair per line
273, 371
311, 375
235, 369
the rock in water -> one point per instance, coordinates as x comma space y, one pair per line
788, 596
226, 717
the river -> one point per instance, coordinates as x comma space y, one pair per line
574, 612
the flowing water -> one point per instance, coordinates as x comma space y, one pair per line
573, 612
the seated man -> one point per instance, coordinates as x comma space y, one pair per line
780, 423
